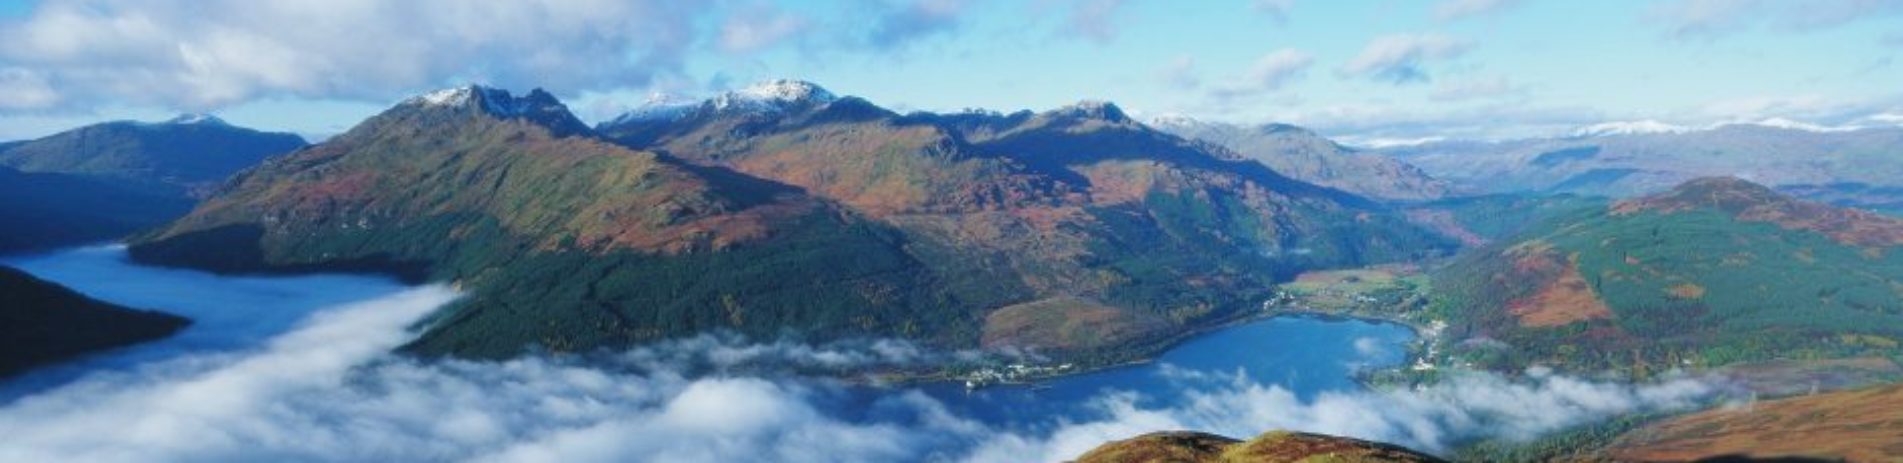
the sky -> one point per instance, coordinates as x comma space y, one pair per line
1360, 70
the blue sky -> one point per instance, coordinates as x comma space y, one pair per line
1379, 69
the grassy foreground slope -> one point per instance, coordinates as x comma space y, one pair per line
1857, 425
1271, 447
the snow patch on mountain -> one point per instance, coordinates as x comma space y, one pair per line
773, 95
194, 118
1782, 123
1647, 126
495, 101
1175, 120
659, 107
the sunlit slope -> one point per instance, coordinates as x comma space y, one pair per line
1271, 447
1713, 272
811, 217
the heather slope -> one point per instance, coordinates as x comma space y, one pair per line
1075, 204
1714, 272
1271, 447
784, 210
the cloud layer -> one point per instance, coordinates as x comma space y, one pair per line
327, 391
202, 54
1711, 18
1401, 58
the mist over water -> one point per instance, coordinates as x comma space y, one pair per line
227, 312
299, 369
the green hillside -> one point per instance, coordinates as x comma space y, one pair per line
1716, 271
41, 322
834, 219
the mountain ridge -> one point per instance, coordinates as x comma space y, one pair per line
822, 219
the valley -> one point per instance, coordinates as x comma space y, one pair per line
777, 268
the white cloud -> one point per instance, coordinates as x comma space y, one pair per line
897, 25
1276, 9
1269, 73
1400, 58
200, 54
758, 27
328, 392
1466, 407
1712, 18
1448, 10
1277, 68
1478, 88
1094, 19
1180, 73
25, 89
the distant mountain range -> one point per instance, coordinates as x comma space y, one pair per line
784, 209
186, 156
105, 181
1637, 159
1304, 155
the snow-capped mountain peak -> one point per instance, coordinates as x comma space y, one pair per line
495, 101
1175, 120
1789, 124
1628, 128
453, 96
1094, 109
195, 118
660, 106
773, 95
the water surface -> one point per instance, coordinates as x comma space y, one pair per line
1304, 355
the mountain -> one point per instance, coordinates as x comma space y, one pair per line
1880, 199
44, 211
1625, 160
1272, 447
1714, 272
41, 322
782, 209
185, 156
1088, 214
1857, 425
1307, 156
106, 181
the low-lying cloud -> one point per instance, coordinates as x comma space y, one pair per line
329, 391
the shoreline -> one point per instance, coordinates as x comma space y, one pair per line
1165, 345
